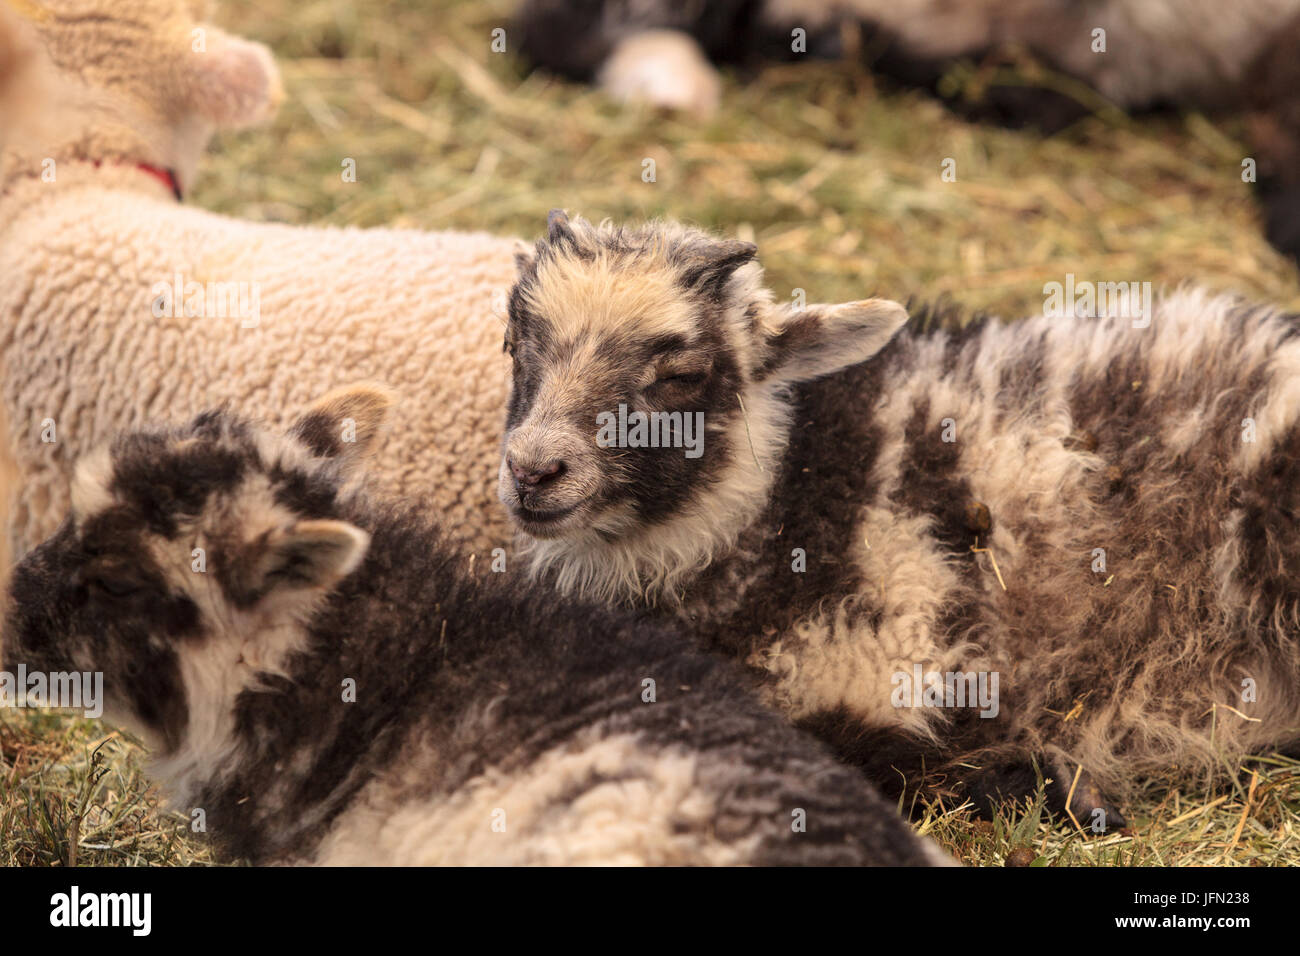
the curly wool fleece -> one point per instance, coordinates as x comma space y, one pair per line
82, 354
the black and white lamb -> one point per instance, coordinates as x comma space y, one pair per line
1069, 542
322, 678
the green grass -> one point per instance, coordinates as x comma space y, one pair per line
838, 180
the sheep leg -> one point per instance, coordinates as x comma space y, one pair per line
904, 766
1017, 778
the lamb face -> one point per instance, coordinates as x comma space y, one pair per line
603, 320
189, 561
649, 371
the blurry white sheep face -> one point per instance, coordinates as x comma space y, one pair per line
190, 559
150, 67
644, 360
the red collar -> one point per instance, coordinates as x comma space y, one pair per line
164, 176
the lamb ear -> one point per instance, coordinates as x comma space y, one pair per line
308, 554
346, 423
821, 339
229, 81
19, 57
557, 226
525, 258
558, 232
707, 268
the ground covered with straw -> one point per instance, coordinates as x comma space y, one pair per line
836, 176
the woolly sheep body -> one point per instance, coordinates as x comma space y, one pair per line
79, 344
1170, 447
489, 725
20, 88
1157, 645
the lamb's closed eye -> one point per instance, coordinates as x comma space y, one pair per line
110, 578
114, 586
680, 378
681, 368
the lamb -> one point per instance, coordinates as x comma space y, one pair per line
1180, 51
1231, 59
120, 306
1093, 520
319, 676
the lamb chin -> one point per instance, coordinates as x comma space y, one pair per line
552, 523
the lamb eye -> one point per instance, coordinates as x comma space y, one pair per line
681, 378
114, 586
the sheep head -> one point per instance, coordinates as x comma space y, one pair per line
650, 367
141, 81
191, 560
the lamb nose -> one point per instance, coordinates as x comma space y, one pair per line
541, 475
